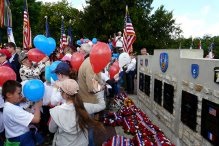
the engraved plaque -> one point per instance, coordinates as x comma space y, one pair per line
147, 83
210, 121
189, 110
168, 97
158, 91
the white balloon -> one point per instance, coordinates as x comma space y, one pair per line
124, 59
66, 57
90, 43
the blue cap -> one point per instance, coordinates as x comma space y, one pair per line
62, 68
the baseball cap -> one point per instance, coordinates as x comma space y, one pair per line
5, 52
69, 86
62, 68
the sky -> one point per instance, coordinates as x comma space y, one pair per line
196, 17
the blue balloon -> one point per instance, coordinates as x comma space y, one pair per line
34, 90
54, 65
86, 40
78, 42
115, 55
49, 75
50, 46
94, 40
40, 42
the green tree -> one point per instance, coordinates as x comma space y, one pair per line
54, 12
103, 18
162, 28
17, 9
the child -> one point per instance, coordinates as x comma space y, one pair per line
70, 121
16, 120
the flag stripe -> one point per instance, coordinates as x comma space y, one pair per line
27, 39
129, 36
63, 39
2, 4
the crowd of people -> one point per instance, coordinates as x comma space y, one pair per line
69, 104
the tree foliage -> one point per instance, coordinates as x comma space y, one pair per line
17, 9
152, 30
155, 29
54, 12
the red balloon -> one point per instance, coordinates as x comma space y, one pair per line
6, 73
116, 63
113, 71
100, 56
35, 55
76, 60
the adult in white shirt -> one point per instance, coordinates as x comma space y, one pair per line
119, 40
130, 74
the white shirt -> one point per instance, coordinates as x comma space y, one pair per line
52, 95
1, 123
119, 41
12, 57
1, 101
63, 124
131, 66
16, 120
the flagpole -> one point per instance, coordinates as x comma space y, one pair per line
62, 17
47, 27
129, 35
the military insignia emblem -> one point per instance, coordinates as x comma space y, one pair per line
164, 62
194, 70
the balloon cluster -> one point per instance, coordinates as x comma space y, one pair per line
86, 40
44, 44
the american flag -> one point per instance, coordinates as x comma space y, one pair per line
27, 39
211, 136
128, 33
63, 39
212, 111
2, 13
5, 14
